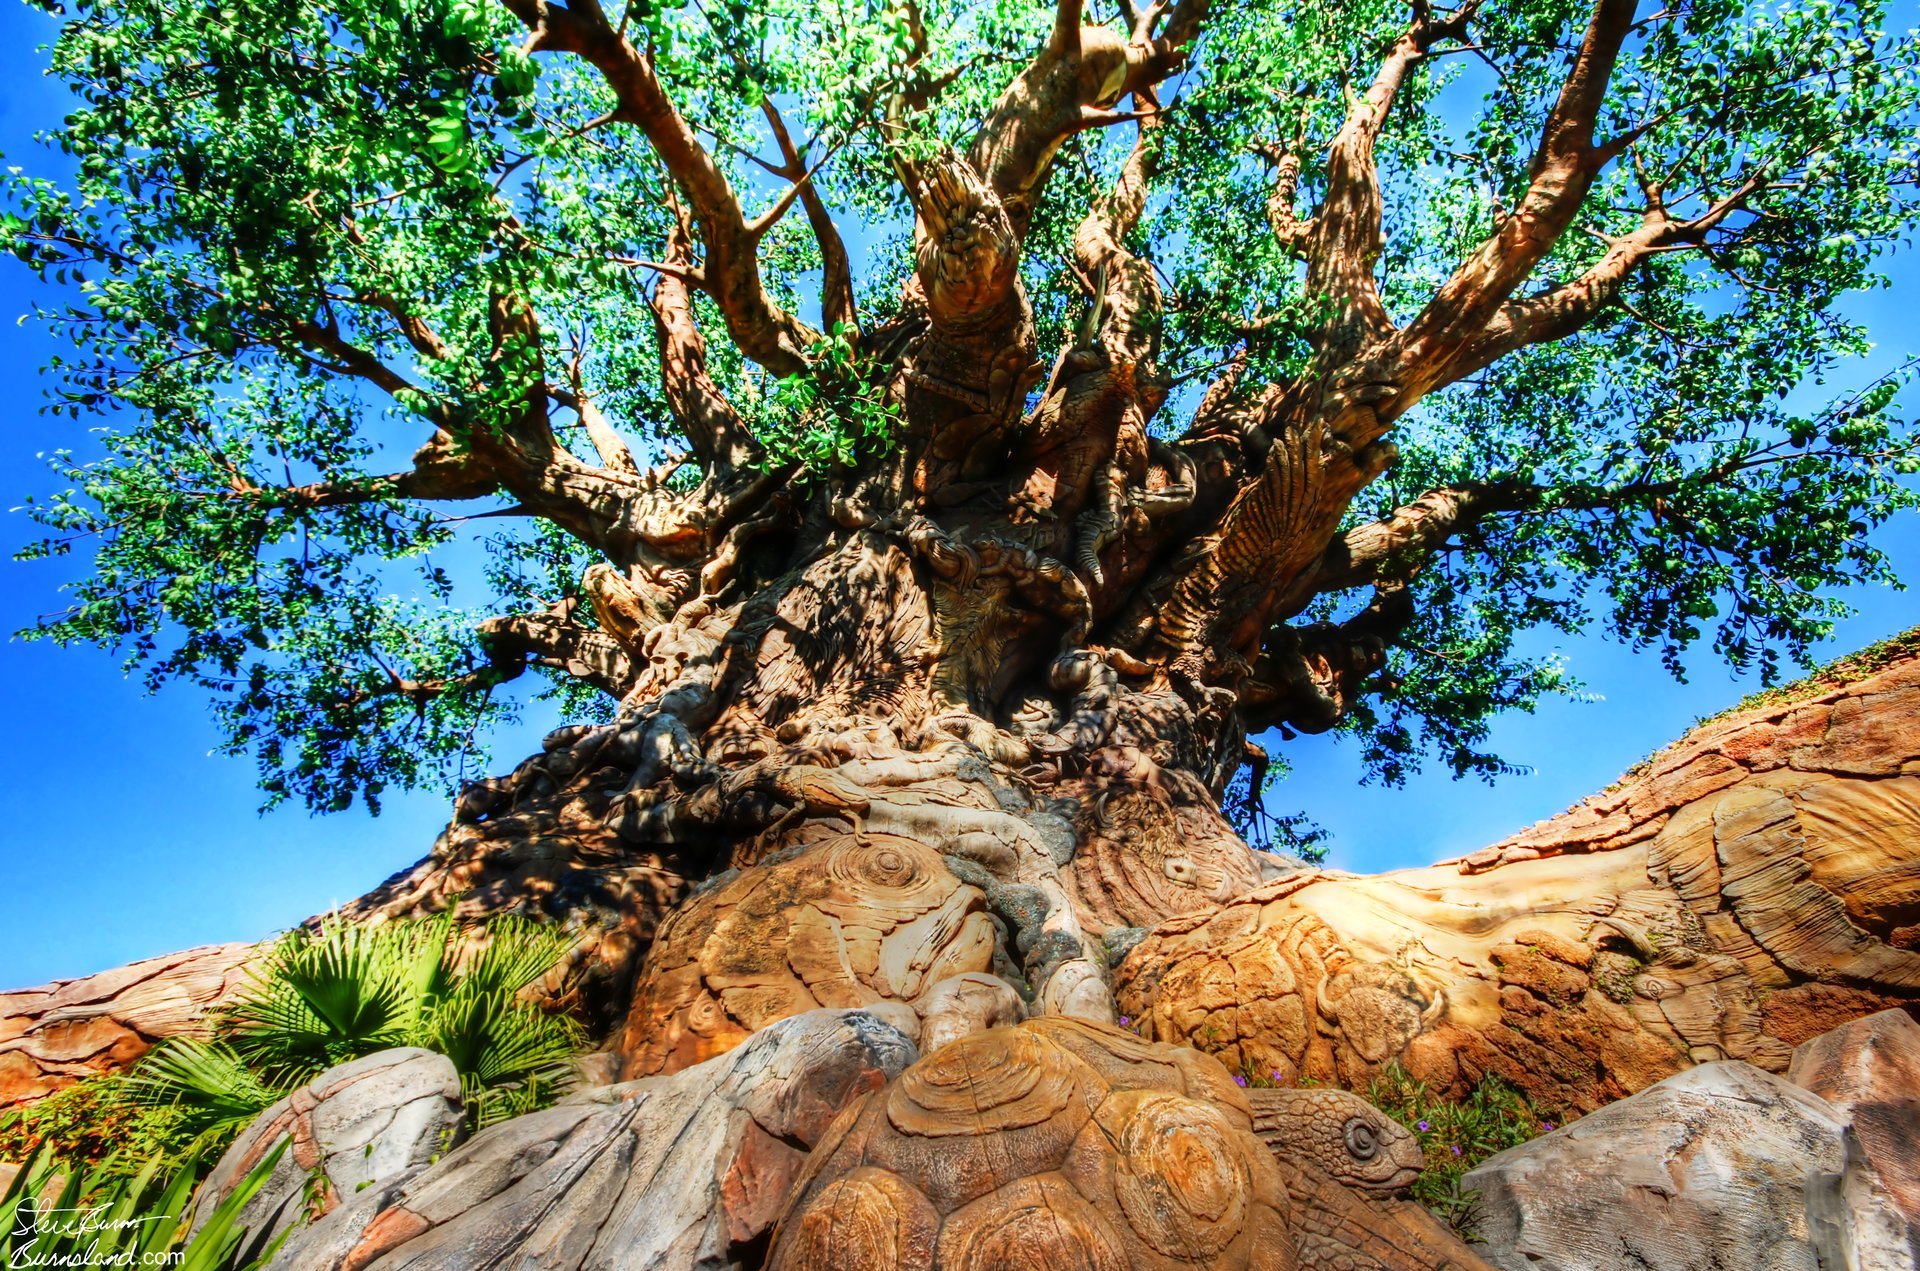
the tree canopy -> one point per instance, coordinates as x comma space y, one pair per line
364, 280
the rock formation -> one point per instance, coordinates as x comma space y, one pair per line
670, 1173
1747, 889
1724, 1165
1868, 1071
54, 1035
356, 1126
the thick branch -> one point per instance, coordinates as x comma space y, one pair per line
1565, 164
1561, 311
553, 641
1132, 300
719, 437
1342, 243
1289, 227
764, 332
1308, 677
1070, 86
438, 474
1394, 547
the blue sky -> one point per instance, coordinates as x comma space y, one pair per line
123, 836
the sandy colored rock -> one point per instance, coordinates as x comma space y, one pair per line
673, 1173
1052, 1144
356, 1126
1869, 1071
59, 1033
1724, 1165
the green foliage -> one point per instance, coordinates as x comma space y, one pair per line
1245, 803
1838, 673
92, 1121
823, 421
54, 1213
345, 990
250, 203
1457, 1136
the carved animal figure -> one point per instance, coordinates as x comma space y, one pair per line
1344, 1136
853, 920
1053, 1144
1337, 1228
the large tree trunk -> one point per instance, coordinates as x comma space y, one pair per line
848, 838
813, 807
1750, 887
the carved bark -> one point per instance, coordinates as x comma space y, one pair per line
1752, 886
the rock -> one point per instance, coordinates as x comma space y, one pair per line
1724, 1165
54, 1035
852, 920
1051, 1144
1342, 1135
669, 1173
1869, 1070
353, 1127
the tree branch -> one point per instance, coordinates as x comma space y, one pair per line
1307, 677
1049, 101
836, 284
1342, 243
554, 641
719, 437
763, 331
1565, 163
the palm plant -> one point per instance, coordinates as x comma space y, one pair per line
341, 990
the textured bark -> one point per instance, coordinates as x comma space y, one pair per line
1752, 886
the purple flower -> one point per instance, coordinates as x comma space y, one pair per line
1424, 1127
1240, 1081
1546, 1125
1123, 1021
1276, 1074
1456, 1149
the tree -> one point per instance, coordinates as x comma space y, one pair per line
1171, 375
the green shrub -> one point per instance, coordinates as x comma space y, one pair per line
91, 1122
343, 990
1457, 1135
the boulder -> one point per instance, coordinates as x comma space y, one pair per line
353, 1127
1721, 1166
1869, 1070
1745, 890
672, 1173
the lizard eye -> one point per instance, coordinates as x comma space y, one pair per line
1362, 1142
